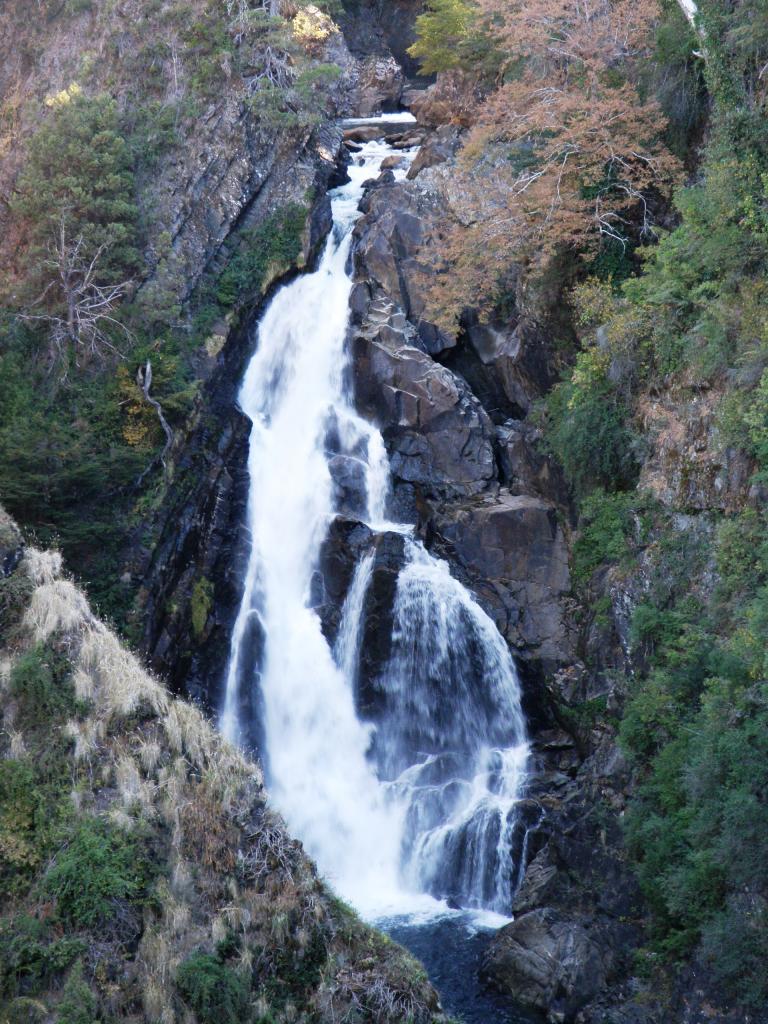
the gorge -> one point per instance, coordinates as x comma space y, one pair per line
383, 396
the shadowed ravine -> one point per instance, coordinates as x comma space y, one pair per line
411, 806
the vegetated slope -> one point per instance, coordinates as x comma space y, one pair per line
660, 425
158, 165
142, 874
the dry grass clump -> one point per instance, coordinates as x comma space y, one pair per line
189, 733
136, 792
42, 567
56, 607
88, 735
121, 686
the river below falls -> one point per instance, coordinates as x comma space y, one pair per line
451, 949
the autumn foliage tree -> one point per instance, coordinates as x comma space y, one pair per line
564, 150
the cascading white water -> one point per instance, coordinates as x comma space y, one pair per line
421, 801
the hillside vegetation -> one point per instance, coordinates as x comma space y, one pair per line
113, 118
142, 873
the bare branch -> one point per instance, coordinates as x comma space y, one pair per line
86, 321
144, 381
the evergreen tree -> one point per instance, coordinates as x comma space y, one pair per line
78, 175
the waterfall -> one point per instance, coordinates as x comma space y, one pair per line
420, 803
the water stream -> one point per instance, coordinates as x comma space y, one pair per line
415, 810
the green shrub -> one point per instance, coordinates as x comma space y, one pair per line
41, 683
264, 253
30, 958
216, 993
98, 867
606, 522
78, 1003
20, 842
586, 427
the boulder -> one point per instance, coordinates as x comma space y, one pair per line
435, 429
429, 107
393, 163
439, 146
399, 224
547, 963
514, 550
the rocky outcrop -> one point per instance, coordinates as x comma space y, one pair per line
436, 431
452, 411
524, 467
401, 222
550, 963
507, 365
514, 550
439, 146
375, 29
578, 911
687, 466
379, 84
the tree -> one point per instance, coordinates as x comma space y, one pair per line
78, 174
80, 312
564, 151
442, 33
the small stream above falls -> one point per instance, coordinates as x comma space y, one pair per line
406, 796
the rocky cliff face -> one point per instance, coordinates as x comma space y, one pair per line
189, 563
469, 471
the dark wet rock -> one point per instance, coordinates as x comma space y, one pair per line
399, 224
346, 543
524, 468
435, 430
385, 179
439, 146
200, 548
548, 963
514, 550
507, 366
349, 484
376, 628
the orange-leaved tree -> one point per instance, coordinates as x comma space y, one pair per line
564, 151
